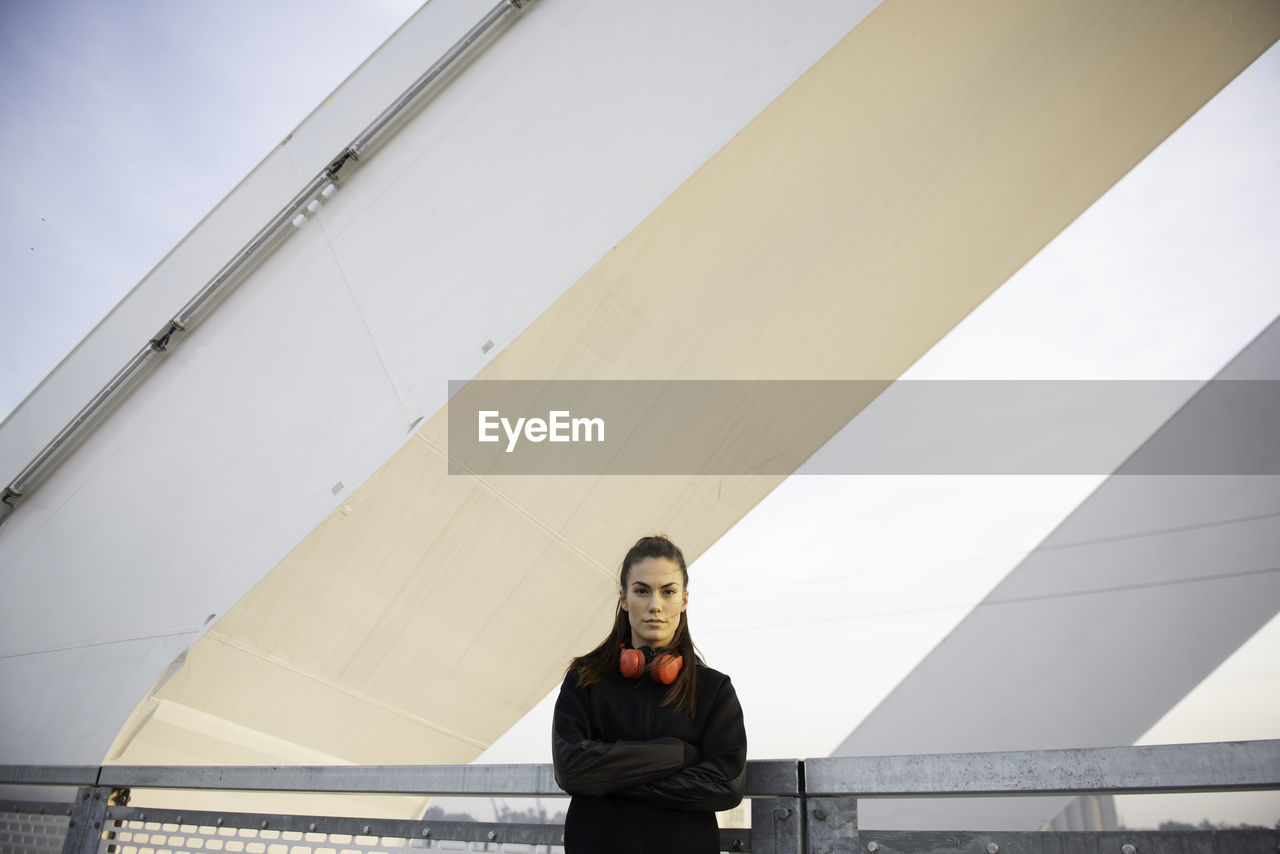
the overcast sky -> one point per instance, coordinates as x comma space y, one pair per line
124, 123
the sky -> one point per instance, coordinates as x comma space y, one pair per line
130, 122
125, 123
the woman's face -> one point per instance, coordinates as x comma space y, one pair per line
654, 600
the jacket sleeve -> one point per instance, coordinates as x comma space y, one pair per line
718, 780
588, 766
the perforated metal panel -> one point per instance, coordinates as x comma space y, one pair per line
139, 833
145, 831
26, 827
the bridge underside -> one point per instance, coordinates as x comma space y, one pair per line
854, 222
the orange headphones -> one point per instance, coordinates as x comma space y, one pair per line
665, 669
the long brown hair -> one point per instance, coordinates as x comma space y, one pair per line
603, 660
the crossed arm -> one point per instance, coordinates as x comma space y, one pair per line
664, 772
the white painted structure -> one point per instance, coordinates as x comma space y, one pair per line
548, 149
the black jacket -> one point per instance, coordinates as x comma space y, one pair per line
647, 779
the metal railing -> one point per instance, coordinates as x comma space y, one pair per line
797, 806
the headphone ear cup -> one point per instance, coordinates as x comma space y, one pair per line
631, 662
667, 668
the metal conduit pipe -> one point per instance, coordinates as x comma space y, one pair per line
198, 307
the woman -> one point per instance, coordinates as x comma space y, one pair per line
646, 737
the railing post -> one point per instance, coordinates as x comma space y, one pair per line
777, 826
84, 831
832, 825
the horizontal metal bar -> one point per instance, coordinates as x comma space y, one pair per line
1068, 841
444, 780
48, 775
53, 808
1227, 766
773, 777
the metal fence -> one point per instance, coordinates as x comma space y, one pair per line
797, 806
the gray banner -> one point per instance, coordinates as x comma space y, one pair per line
722, 427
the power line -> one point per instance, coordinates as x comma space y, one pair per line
1133, 535
171, 633
1155, 532
1013, 600
1142, 585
